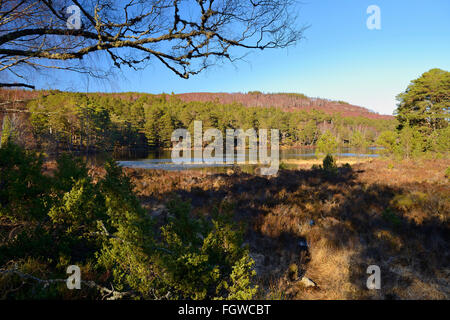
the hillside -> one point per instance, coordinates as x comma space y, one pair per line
285, 101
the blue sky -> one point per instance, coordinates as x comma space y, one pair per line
340, 59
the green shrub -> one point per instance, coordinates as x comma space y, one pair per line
329, 165
205, 258
283, 166
408, 201
128, 245
347, 166
68, 171
8, 132
70, 218
24, 190
100, 226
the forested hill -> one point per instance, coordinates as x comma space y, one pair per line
285, 101
55, 120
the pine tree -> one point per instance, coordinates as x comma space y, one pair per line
327, 144
358, 141
425, 103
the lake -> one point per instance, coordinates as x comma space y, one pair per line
161, 160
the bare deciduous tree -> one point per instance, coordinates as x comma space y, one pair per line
186, 36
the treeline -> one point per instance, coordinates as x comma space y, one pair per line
95, 122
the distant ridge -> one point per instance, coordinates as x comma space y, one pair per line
284, 101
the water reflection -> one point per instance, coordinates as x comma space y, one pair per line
161, 159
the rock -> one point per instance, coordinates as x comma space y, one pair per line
307, 282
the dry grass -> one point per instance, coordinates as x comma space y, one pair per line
307, 163
391, 214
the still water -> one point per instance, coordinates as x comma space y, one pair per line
161, 160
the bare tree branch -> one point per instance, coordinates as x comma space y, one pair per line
107, 293
186, 36
17, 84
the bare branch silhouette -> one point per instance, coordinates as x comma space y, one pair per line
186, 36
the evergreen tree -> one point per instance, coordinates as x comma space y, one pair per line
388, 140
425, 103
358, 141
326, 144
